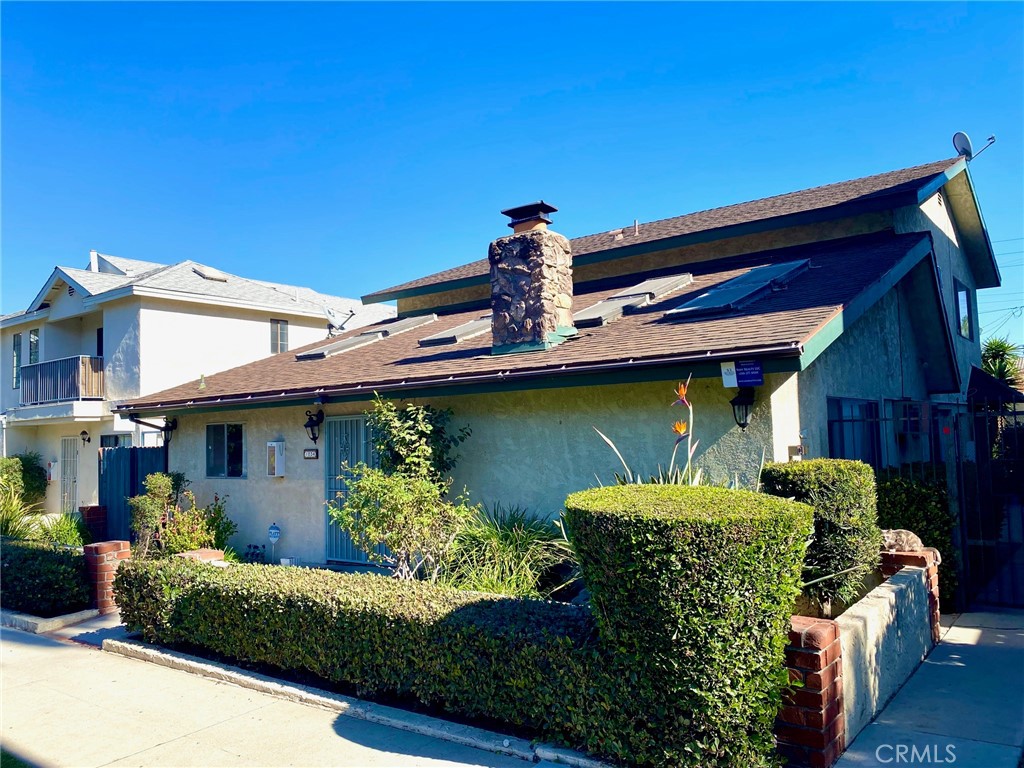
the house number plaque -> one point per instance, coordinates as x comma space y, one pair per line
311, 453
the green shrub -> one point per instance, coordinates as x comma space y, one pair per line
922, 506
66, 529
529, 663
506, 551
221, 526
415, 439
186, 530
693, 588
42, 580
11, 474
150, 510
33, 476
847, 540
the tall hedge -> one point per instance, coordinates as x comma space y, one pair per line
846, 533
693, 588
41, 579
10, 474
530, 663
922, 506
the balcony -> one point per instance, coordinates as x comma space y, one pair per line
60, 381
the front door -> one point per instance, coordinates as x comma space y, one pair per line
346, 441
69, 474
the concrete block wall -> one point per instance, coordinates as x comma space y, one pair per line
102, 561
894, 562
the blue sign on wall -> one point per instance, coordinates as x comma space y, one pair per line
749, 373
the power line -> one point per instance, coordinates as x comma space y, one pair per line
1008, 240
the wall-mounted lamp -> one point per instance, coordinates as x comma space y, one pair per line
742, 405
85, 437
312, 425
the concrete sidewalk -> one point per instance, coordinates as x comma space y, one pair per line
963, 706
66, 704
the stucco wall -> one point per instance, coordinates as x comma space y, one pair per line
933, 216
875, 359
528, 448
884, 636
121, 349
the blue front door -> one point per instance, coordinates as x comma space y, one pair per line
346, 441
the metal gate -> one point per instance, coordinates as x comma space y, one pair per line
991, 445
123, 471
347, 442
69, 474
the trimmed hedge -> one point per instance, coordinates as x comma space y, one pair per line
526, 662
922, 506
846, 532
10, 474
693, 587
42, 580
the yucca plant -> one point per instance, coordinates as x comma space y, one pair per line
507, 551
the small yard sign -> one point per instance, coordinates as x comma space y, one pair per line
274, 533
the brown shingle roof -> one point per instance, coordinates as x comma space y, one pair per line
778, 324
880, 185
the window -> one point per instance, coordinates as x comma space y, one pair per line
16, 361
225, 450
116, 441
854, 430
278, 336
964, 313
33, 346
99, 342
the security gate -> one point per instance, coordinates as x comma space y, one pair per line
347, 442
69, 474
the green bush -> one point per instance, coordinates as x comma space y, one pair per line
693, 588
10, 474
506, 551
922, 506
33, 475
846, 533
529, 663
41, 579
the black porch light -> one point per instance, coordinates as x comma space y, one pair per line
85, 437
742, 405
312, 425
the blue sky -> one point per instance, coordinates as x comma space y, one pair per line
350, 147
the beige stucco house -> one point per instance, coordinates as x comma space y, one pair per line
121, 328
844, 316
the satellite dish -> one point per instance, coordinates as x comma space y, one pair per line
334, 321
962, 145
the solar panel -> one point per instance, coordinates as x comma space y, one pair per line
741, 290
458, 333
606, 311
402, 325
656, 287
338, 347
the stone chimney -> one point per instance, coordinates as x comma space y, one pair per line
531, 283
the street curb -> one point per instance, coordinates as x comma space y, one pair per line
348, 706
38, 626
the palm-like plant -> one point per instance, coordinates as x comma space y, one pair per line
18, 518
999, 359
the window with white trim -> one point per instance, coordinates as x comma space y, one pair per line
964, 310
16, 361
33, 346
225, 450
278, 336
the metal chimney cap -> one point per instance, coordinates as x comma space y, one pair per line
529, 212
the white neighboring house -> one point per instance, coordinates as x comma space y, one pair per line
122, 329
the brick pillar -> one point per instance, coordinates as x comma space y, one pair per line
810, 728
893, 562
95, 519
102, 561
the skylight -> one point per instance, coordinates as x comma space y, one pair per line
459, 333
401, 325
330, 350
742, 290
209, 273
628, 300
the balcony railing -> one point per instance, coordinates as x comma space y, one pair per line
58, 381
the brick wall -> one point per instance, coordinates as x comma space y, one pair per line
810, 727
95, 519
893, 562
102, 560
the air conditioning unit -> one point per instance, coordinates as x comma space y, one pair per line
275, 458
